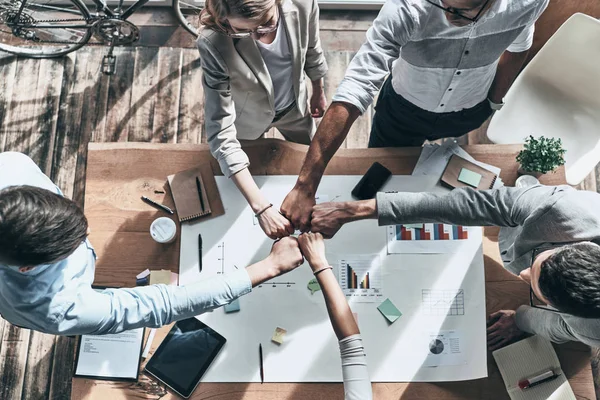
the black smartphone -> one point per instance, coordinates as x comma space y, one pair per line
371, 182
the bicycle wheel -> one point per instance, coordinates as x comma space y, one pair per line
188, 14
44, 28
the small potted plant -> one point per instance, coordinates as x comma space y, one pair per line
540, 156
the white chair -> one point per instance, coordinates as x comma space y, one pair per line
558, 95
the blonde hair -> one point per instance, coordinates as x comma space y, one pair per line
215, 13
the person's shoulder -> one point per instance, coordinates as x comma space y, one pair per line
415, 5
301, 5
398, 11
525, 7
580, 196
213, 38
568, 203
13, 157
17, 169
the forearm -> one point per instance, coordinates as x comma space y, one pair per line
317, 85
547, 324
262, 271
465, 206
338, 309
246, 185
509, 66
117, 310
332, 131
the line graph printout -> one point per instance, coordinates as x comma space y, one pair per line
360, 278
426, 238
443, 302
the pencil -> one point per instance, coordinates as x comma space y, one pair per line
200, 252
199, 186
262, 371
158, 205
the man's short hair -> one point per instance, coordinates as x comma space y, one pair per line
570, 279
38, 226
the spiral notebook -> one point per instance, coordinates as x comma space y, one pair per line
528, 358
458, 166
186, 195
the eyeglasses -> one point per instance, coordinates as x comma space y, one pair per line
534, 301
261, 30
451, 10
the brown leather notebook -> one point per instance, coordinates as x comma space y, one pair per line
455, 177
186, 194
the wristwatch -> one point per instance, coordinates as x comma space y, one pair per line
496, 106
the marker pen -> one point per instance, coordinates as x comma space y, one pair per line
537, 380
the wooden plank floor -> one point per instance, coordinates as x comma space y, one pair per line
51, 109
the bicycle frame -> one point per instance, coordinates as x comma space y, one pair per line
101, 7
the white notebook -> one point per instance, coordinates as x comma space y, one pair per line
528, 358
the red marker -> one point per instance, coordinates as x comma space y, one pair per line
537, 380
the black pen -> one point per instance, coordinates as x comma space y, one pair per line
199, 252
199, 186
158, 205
262, 371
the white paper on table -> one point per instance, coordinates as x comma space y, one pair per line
310, 352
110, 356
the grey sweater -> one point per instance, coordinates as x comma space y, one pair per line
529, 218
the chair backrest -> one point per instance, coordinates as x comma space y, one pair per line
558, 95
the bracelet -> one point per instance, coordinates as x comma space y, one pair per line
321, 270
263, 210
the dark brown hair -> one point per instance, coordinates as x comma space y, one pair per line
38, 226
570, 279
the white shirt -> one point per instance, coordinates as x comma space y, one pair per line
437, 66
278, 59
357, 385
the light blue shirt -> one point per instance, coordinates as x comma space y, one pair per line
58, 298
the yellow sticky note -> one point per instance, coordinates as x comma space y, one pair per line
278, 335
162, 276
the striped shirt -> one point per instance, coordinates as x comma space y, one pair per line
437, 66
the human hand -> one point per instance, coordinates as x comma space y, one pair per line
297, 207
502, 329
328, 218
318, 103
274, 224
285, 255
312, 247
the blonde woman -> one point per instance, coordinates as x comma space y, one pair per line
255, 54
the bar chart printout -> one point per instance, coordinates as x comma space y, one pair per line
360, 278
426, 238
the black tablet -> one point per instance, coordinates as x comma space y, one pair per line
185, 355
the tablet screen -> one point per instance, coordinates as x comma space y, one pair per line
185, 355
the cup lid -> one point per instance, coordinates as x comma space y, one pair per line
163, 229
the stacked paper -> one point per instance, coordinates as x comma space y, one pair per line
434, 159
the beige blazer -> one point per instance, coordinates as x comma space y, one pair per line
238, 92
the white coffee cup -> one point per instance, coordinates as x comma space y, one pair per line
526, 181
163, 230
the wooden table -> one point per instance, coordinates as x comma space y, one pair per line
119, 173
